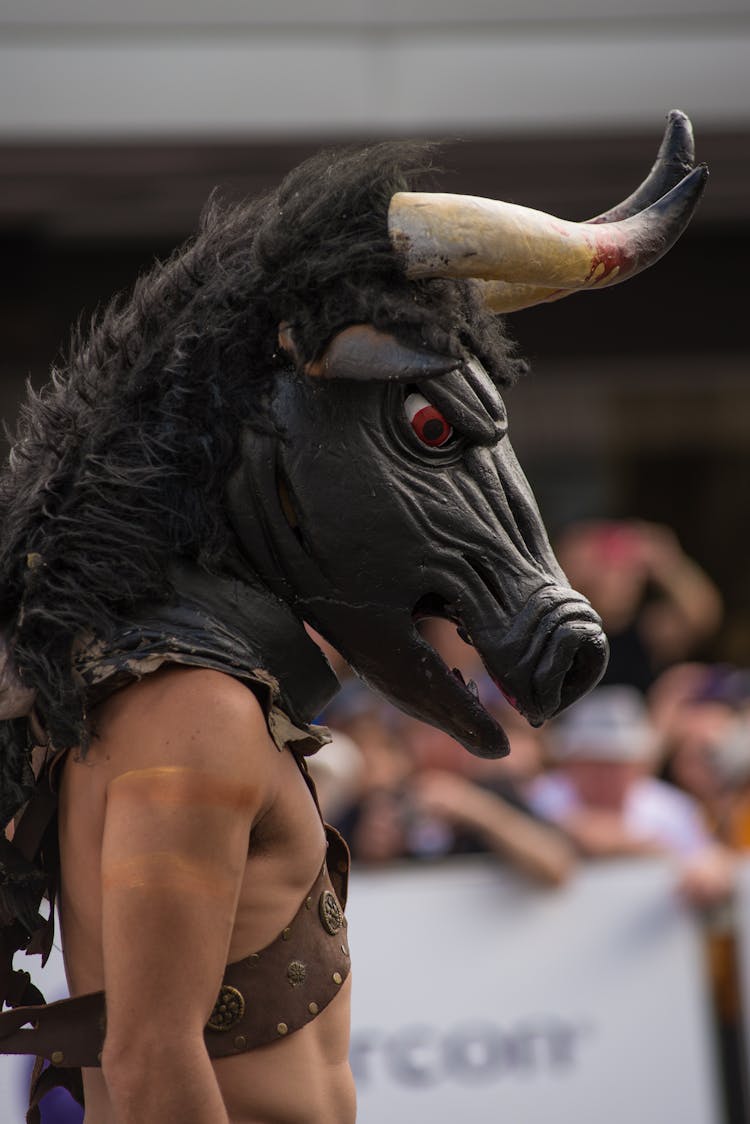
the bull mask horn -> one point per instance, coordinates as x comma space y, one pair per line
466, 237
675, 158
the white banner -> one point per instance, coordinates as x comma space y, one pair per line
478, 997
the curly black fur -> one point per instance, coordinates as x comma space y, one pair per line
120, 463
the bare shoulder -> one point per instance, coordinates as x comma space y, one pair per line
191, 717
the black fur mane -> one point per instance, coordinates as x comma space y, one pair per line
120, 463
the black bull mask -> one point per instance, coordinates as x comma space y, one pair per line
364, 528
392, 491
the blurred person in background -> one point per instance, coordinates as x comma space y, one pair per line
366, 816
657, 605
337, 774
335, 659
703, 714
600, 791
479, 805
731, 764
421, 796
703, 711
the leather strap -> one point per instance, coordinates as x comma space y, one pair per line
263, 997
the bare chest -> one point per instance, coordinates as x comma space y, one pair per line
286, 849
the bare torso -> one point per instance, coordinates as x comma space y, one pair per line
304, 1079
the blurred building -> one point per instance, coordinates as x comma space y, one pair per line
117, 120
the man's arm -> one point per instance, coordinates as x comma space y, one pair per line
535, 847
192, 773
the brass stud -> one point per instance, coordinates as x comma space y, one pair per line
308, 903
296, 973
337, 977
287, 933
313, 1008
282, 1028
99, 1057
228, 1009
345, 950
57, 1057
240, 1042
330, 913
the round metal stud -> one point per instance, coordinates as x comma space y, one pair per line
282, 1028
296, 973
240, 1042
313, 1008
308, 903
57, 1057
287, 933
228, 1009
330, 912
337, 977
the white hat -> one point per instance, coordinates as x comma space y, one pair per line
610, 724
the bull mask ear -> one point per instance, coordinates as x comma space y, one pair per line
361, 353
512, 248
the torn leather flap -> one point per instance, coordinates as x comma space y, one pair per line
228, 624
22, 886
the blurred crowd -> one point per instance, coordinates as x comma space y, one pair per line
654, 761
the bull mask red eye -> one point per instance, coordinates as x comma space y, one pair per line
427, 422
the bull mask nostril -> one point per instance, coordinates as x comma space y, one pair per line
587, 668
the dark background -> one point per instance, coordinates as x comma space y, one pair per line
638, 403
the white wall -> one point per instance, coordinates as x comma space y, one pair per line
88, 68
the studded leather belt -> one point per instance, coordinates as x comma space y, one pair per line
276, 991
263, 997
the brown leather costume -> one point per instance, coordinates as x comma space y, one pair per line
265, 996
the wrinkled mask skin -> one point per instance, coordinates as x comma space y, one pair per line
363, 528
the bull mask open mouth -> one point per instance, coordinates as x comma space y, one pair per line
393, 492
